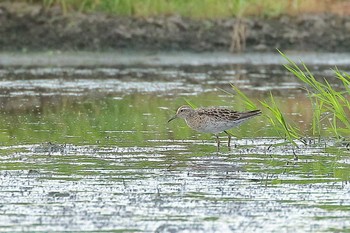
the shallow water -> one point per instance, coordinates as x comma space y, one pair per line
87, 148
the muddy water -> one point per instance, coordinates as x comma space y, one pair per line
86, 147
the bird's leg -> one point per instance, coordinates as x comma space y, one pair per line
229, 139
218, 141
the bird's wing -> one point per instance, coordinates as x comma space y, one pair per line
226, 114
219, 113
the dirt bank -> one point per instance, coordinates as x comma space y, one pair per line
28, 27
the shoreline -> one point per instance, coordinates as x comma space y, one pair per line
37, 29
83, 59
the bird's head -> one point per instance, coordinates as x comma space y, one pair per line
182, 112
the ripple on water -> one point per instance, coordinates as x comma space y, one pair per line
120, 171
59, 187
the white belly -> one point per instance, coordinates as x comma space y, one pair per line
215, 126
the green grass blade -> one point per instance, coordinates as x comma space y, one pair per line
245, 99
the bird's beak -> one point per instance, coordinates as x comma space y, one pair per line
174, 117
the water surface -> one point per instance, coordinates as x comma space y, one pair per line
85, 146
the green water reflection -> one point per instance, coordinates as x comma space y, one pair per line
140, 120
92, 151
130, 120
105, 152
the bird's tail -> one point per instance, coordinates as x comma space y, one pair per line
249, 114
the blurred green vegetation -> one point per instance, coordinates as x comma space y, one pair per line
193, 8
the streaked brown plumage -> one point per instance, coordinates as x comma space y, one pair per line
213, 120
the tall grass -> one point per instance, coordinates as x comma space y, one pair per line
274, 116
331, 107
279, 122
190, 8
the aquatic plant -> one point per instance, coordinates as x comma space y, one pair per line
273, 114
279, 122
330, 107
244, 98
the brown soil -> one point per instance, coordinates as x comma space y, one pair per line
27, 27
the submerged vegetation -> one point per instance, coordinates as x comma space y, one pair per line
194, 8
